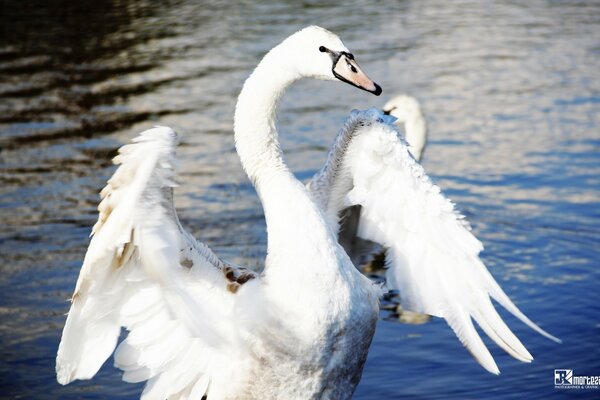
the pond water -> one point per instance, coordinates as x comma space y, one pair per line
511, 91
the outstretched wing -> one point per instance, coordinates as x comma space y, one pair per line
432, 255
142, 271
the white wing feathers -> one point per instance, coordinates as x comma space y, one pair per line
432, 256
142, 271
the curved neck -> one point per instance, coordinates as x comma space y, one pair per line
256, 137
285, 200
416, 135
289, 210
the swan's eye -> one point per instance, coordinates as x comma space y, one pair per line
322, 49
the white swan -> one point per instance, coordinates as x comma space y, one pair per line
407, 111
200, 326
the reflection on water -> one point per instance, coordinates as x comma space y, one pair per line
512, 93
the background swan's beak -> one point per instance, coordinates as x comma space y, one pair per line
347, 70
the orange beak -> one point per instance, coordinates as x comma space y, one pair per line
346, 69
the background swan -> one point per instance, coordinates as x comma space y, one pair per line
407, 111
198, 325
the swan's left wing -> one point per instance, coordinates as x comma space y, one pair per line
432, 257
144, 272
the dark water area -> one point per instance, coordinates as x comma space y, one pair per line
511, 92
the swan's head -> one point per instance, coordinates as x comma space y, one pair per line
318, 53
404, 108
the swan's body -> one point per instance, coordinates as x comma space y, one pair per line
301, 329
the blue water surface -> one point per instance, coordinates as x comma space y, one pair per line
511, 92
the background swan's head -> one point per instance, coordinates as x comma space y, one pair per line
318, 53
403, 107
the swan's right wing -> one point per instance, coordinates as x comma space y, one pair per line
432, 258
142, 271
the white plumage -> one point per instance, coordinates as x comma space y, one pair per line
132, 276
407, 111
198, 325
408, 114
432, 257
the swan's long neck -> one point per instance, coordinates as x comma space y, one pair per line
416, 135
290, 214
254, 122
